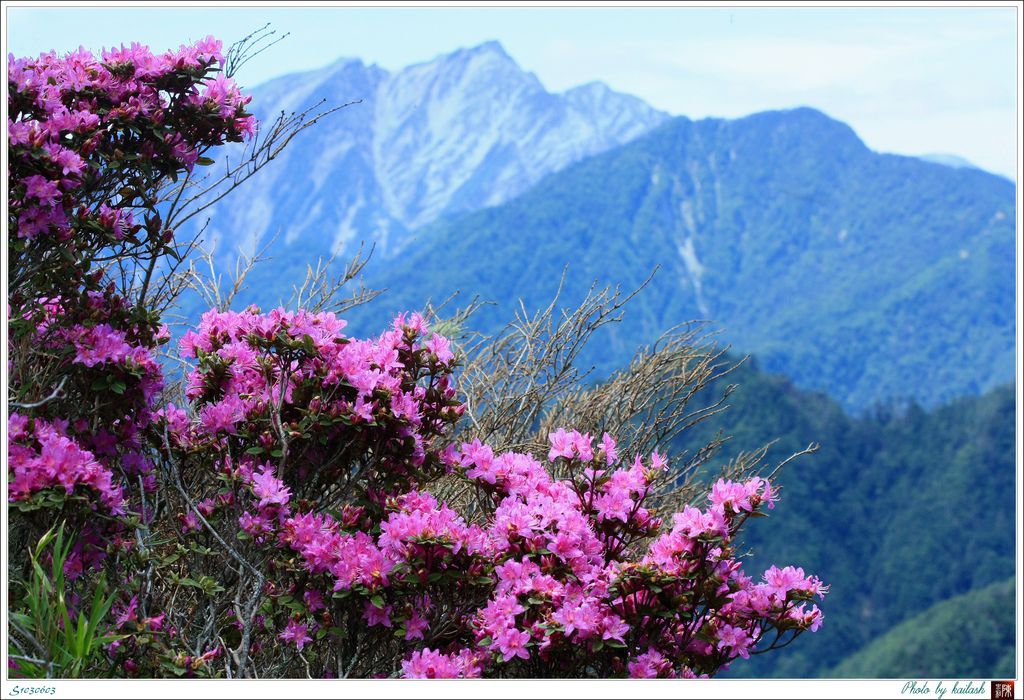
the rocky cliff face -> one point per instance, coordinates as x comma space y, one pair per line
467, 130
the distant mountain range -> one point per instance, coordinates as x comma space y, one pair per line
948, 159
938, 644
885, 512
873, 277
467, 130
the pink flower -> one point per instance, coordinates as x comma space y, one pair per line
70, 162
608, 447
190, 522
512, 643
297, 633
583, 446
256, 526
481, 457
735, 638
42, 190
128, 613
613, 627
428, 663
814, 619
314, 600
561, 445
569, 445
270, 490
100, 344
415, 626
658, 462
614, 505
59, 461
650, 664
440, 347
375, 616
16, 427
223, 415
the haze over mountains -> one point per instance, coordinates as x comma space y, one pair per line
864, 278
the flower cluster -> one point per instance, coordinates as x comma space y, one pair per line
93, 141
570, 573
45, 457
566, 572
429, 663
91, 432
78, 121
260, 376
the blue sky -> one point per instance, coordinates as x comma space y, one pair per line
908, 80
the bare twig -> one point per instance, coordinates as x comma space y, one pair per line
55, 394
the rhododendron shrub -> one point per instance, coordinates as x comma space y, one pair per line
306, 506
91, 142
318, 451
94, 142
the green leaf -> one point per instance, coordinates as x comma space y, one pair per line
80, 637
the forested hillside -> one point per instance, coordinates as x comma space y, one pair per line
898, 510
866, 275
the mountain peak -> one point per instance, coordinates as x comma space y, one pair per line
342, 62
803, 115
487, 51
460, 131
490, 47
595, 89
948, 159
592, 86
803, 126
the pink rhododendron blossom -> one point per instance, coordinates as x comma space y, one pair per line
296, 633
512, 643
377, 616
608, 447
440, 347
429, 663
269, 489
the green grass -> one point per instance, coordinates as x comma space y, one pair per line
58, 643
